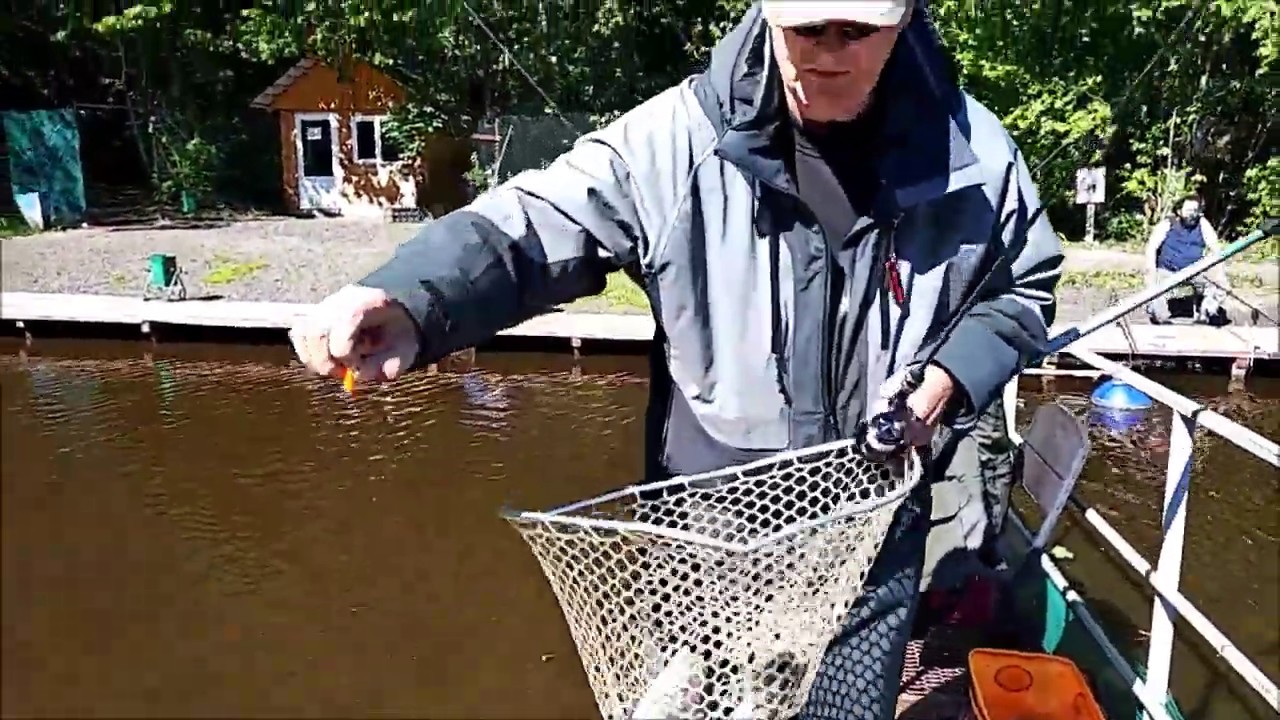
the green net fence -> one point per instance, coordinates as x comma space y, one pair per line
529, 142
44, 165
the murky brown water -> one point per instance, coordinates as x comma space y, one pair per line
209, 533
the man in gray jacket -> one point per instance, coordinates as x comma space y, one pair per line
805, 216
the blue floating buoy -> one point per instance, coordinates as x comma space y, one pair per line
1118, 395
1117, 422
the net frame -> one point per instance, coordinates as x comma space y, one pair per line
731, 648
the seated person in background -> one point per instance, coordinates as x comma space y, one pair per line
1176, 244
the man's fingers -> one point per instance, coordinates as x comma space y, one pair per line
312, 348
918, 434
299, 344
397, 360
341, 343
388, 364
318, 357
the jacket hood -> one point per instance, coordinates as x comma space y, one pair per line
744, 76
926, 128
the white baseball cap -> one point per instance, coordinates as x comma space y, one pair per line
790, 13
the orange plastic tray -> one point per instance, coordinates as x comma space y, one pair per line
1010, 685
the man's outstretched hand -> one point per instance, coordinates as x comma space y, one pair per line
360, 328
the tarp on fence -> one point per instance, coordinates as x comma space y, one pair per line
44, 158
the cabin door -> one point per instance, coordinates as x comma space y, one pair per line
319, 171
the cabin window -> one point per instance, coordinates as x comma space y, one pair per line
371, 143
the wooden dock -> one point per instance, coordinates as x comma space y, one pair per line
25, 308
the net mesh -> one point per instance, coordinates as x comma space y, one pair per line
715, 596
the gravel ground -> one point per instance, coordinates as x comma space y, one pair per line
303, 260
284, 260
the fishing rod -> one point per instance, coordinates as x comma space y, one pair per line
885, 433
1254, 309
1060, 341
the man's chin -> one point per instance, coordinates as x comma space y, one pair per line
830, 112
832, 115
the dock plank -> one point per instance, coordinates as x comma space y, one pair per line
1173, 341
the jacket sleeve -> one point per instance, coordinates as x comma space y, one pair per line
1009, 323
543, 238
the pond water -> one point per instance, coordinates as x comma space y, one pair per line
201, 531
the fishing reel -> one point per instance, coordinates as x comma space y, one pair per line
884, 435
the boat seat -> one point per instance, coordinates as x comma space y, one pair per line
1052, 455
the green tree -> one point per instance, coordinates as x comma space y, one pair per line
1168, 95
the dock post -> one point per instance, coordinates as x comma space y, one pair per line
460, 361
1240, 368
576, 344
1047, 384
149, 333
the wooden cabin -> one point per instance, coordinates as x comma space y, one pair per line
334, 153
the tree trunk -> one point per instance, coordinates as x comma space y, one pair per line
147, 163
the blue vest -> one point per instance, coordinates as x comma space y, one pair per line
1182, 247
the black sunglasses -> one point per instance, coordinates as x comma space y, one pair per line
851, 32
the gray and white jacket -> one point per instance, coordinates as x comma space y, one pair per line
691, 195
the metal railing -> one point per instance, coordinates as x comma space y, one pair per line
1164, 578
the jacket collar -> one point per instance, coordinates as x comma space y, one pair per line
925, 133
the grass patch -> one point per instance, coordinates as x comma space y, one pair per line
224, 270
1131, 280
1268, 250
620, 291
13, 226
620, 295
1101, 280
119, 281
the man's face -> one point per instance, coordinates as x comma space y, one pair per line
1189, 212
830, 69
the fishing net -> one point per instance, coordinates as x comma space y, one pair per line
715, 595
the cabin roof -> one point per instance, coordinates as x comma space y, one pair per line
266, 99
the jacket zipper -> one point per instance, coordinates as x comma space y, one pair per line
777, 340
830, 428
